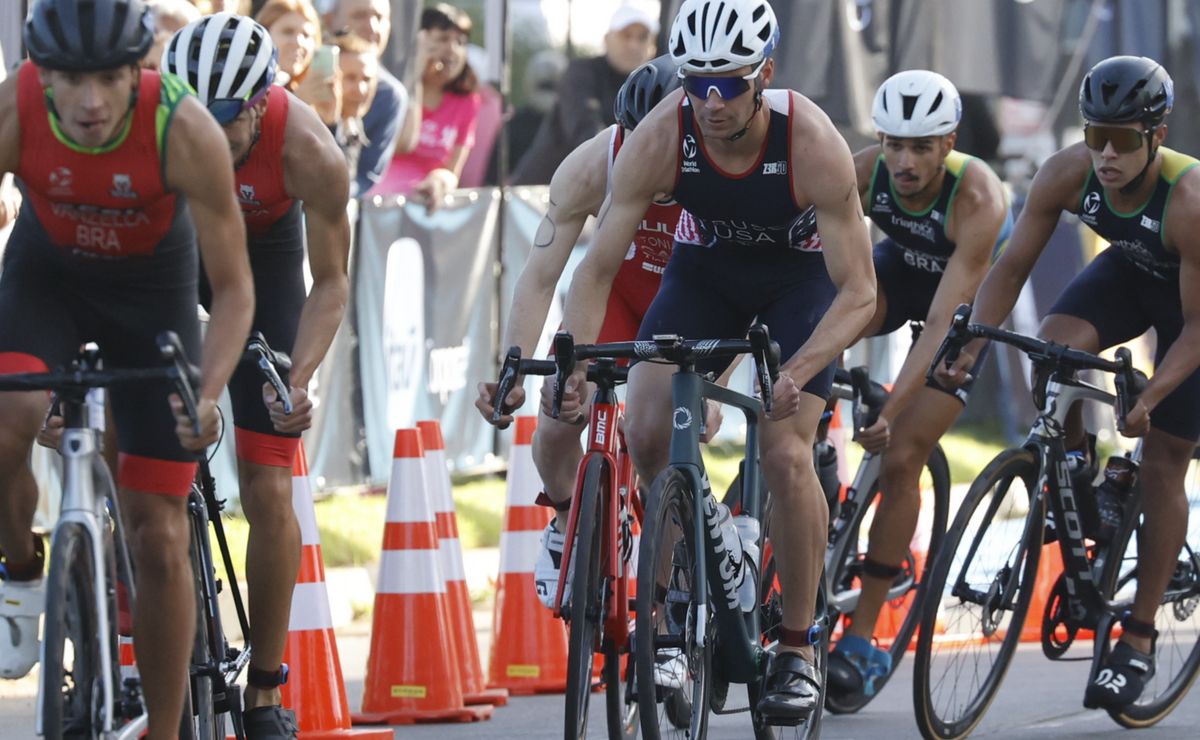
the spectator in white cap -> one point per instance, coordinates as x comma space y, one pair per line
586, 94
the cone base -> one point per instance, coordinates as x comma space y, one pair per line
529, 689
495, 697
418, 716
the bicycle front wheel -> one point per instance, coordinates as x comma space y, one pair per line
672, 666
72, 665
587, 600
976, 597
1177, 650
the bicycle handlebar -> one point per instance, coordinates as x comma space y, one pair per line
1046, 355
673, 349
261, 354
83, 376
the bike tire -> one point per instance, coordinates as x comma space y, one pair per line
587, 601
993, 490
1178, 618
622, 709
667, 553
70, 679
938, 470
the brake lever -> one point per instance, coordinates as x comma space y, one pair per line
1130, 383
766, 363
564, 361
187, 377
268, 360
956, 338
508, 379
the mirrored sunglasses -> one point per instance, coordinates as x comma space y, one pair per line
1123, 140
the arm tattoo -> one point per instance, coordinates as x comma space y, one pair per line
545, 233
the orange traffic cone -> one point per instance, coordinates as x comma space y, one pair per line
529, 646
314, 689
893, 613
461, 620
1050, 567
411, 675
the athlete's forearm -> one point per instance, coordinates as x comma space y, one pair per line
912, 373
228, 326
586, 301
319, 322
1181, 360
846, 318
527, 315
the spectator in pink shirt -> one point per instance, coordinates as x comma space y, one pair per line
439, 128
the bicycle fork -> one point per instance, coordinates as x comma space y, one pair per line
81, 505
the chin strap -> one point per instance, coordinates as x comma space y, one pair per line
757, 107
1136, 182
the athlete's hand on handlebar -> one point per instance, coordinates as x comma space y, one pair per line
207, 416
957, 373
573, 409
302, 410
1137, 421
785, 397
876, 437
486, 403
712, 420
51, 433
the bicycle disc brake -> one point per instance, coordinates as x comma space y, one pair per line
1058, 629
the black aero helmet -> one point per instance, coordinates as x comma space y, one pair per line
642, 90
88, 35
1126, 89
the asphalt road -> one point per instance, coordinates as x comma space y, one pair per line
1039, 699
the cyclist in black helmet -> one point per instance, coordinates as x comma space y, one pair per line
1122, 182
577, 190
113, 161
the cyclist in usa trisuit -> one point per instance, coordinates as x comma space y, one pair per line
283, 157
758, 174
112, 160
1144, 199
577, 190
945, 214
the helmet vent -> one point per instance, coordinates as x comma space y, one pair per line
910, 104
729, 24
758, 13
937, 102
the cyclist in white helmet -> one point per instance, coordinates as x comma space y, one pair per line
291, 181
771, 229
945, 215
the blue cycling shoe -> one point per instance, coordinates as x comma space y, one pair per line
855, 665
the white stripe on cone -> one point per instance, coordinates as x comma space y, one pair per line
524, 484
305, 514
410, 572
408, 497
518, 551
452, 564
310, 608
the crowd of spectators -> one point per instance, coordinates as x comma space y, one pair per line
330, 55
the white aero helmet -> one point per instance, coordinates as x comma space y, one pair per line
223, 57
722, 35
916, 103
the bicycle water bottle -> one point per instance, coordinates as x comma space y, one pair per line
827, 473
1112, 494
735, 533
748, 532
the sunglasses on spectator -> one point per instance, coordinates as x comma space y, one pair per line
1123, 140
727, 87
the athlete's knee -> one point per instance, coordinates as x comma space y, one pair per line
647, 436
22, 414
790, 472
158, 535
900, 472
266, 494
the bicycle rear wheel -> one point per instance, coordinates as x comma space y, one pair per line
72, 665
846, 568
1177, 650
587, 601
672, 667
977, 596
